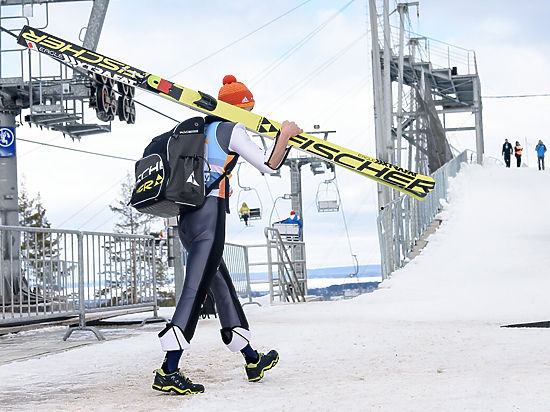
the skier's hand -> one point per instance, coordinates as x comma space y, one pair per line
289, 129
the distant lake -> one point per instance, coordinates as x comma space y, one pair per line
365, 271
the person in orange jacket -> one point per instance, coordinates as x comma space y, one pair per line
517, 152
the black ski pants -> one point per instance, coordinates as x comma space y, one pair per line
518, 160
202, 233
507, 160
541, 163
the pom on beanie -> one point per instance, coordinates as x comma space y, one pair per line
235, 93
229, 79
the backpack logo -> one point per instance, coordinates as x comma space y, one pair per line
191, 179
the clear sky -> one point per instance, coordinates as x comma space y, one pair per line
312, 66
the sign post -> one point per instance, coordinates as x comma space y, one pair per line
9, 205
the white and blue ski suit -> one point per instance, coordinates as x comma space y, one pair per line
202, 233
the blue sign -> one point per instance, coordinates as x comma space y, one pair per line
7, 141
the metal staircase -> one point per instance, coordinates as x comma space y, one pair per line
288, 281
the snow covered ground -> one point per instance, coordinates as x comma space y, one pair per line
428, 340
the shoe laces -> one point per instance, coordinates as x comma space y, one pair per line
185, 378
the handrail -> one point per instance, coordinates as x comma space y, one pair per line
285, 264
403, 221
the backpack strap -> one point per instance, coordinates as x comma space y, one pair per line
229, 166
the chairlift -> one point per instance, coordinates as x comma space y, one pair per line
355, 266
288, 231
255, 212
328, 196
250, 196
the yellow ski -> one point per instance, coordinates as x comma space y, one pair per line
408, 182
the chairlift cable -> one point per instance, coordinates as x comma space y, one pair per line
77, 150
93, 201
345, 223
299, 85
271, 195
275, 64
240, 38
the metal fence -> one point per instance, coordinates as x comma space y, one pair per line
279, 266
48, 273
403, 221
236, 259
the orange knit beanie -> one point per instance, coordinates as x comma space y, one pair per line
235, 93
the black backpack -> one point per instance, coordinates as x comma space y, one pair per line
170, 176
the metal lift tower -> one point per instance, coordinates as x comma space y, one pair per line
56, 103
436, 90
419, 85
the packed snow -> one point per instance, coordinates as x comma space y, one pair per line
429, 339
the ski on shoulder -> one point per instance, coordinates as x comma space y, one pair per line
94, 63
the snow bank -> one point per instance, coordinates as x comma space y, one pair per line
428, 340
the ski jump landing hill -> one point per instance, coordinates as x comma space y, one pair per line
429, 339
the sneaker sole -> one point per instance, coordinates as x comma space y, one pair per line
175, 390
268, 367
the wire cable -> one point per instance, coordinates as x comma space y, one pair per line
77, 150
155, 110
241, 38
344, 219
295, 88
97, 197
8, 32
286, 55
20, 155
516, 96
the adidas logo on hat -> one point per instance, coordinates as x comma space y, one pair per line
245, 100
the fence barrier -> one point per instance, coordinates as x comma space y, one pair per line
403, 221
49, 273
236, 259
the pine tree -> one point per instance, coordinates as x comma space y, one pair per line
165, 283
131, 253
39, 250
31, 211
130, 220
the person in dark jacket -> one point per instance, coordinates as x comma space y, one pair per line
517, 152
541, 150
507, 151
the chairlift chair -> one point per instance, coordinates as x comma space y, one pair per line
355, 267
255, 212
327, 197
288, 231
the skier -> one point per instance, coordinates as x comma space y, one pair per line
541, 150
244, 212
507, 152
202, 233
517, 152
